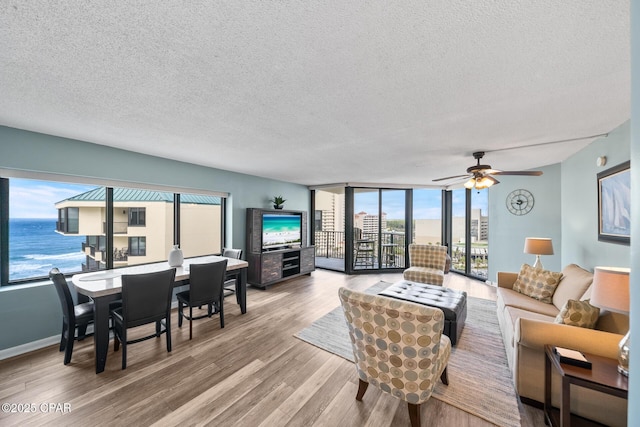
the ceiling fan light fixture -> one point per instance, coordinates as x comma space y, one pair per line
480, 182
470, 183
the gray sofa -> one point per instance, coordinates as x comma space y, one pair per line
528, 324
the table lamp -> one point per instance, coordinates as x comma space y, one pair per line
610, 291
538, 246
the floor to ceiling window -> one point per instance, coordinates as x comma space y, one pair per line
393, 229
427, 216
328, 228
382, 222
479, 223
366, 226
459, 230
470, 232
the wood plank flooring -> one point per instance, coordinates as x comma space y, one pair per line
251, 373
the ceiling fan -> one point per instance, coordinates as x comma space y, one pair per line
480, 176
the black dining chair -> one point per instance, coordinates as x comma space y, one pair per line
205, 288
146, 298
231, 279
74, 316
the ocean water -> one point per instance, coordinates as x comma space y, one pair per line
280, 223
35, 248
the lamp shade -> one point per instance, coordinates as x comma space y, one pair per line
538, 246
610, 289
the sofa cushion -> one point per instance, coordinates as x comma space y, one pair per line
578, 313
537, 283
511, 298
512, 314
573, 285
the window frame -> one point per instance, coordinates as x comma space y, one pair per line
137, 223
139, 239
6, 175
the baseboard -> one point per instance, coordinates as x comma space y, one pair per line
531, 402
29, 347
44, 342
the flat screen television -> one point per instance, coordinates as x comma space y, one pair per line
281, 230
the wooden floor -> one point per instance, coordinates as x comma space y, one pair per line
251, 373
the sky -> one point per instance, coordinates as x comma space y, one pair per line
426, 203
29, 198
36, 199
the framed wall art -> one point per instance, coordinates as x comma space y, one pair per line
614, 204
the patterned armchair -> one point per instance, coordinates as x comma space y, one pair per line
398, 346
427, 264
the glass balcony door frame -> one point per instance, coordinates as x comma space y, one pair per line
447, 229
350, 230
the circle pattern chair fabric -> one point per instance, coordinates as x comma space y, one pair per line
398, 346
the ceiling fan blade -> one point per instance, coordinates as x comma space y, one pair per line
452, 177
522, 173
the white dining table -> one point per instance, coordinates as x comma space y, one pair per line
105, 286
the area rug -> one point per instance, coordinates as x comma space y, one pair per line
479, 378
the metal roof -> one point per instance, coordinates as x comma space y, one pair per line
137, 195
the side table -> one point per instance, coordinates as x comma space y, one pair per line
603, 377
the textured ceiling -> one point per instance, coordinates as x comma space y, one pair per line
320, 92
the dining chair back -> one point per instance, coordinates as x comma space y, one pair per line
73, 316
231, 279
205, 288
231, 253
146, 298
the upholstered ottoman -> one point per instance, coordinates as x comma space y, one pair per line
452, 302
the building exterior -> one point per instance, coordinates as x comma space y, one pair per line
428, 231
369, 223
329, 214
142, 225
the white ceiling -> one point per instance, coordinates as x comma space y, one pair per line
320, 92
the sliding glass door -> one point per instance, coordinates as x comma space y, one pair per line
329, 228
470, 232
379, 228
366, 228
360, 230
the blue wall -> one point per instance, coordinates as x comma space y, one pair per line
35, 152
566, 210
580, 202
634, 379
507, 232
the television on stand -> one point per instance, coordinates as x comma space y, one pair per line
276, 244
281, 230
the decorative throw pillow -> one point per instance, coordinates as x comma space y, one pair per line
578, 313
537, 283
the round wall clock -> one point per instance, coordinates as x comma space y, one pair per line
520, 202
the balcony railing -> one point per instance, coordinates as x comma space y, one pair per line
479, 260
331, 244
118, 227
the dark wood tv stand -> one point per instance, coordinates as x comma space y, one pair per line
267, 267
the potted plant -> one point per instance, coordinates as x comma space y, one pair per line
277, 201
